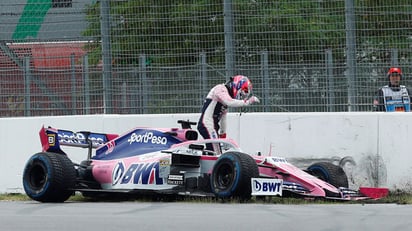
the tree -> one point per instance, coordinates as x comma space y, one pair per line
383, 25
170, 33
173, 33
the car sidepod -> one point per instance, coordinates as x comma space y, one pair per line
232, 174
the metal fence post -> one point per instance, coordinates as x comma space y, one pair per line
86, 84
106, 56
330, 80
27, 83
350, 53
123, 94
143, 83
203, 76
135, 89
73, 83
228, 29
265, 79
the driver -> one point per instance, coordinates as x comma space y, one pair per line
233, 93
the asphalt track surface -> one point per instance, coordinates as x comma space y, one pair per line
120, 216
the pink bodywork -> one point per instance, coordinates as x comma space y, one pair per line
108, 173
103, 170
288, 172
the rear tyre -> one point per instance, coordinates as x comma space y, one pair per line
49, 177
330, 173
231, 176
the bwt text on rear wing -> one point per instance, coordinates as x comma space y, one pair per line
51, 139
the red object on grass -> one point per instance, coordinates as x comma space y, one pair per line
375, 193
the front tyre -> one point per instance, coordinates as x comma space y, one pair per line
232, 175
330, 173
49, 177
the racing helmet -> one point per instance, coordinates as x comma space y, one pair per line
394, 70
241, 87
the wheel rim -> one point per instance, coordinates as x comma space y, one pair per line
38, 176
225, 176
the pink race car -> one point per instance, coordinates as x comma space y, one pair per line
172, 161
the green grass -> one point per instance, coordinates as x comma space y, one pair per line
393, 197
13, 197
398, 197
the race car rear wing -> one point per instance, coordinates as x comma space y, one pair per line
51, 139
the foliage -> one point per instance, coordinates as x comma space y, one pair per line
291, 31
169, 33
176, 33
382, 25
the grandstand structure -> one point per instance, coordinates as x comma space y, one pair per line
41, 47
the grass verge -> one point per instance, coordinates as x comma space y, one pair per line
393, 197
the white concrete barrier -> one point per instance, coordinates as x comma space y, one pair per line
373, 148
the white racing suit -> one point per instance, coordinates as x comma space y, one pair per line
212, 121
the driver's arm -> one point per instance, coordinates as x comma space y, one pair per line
223, 96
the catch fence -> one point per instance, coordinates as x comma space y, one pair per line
75, 57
